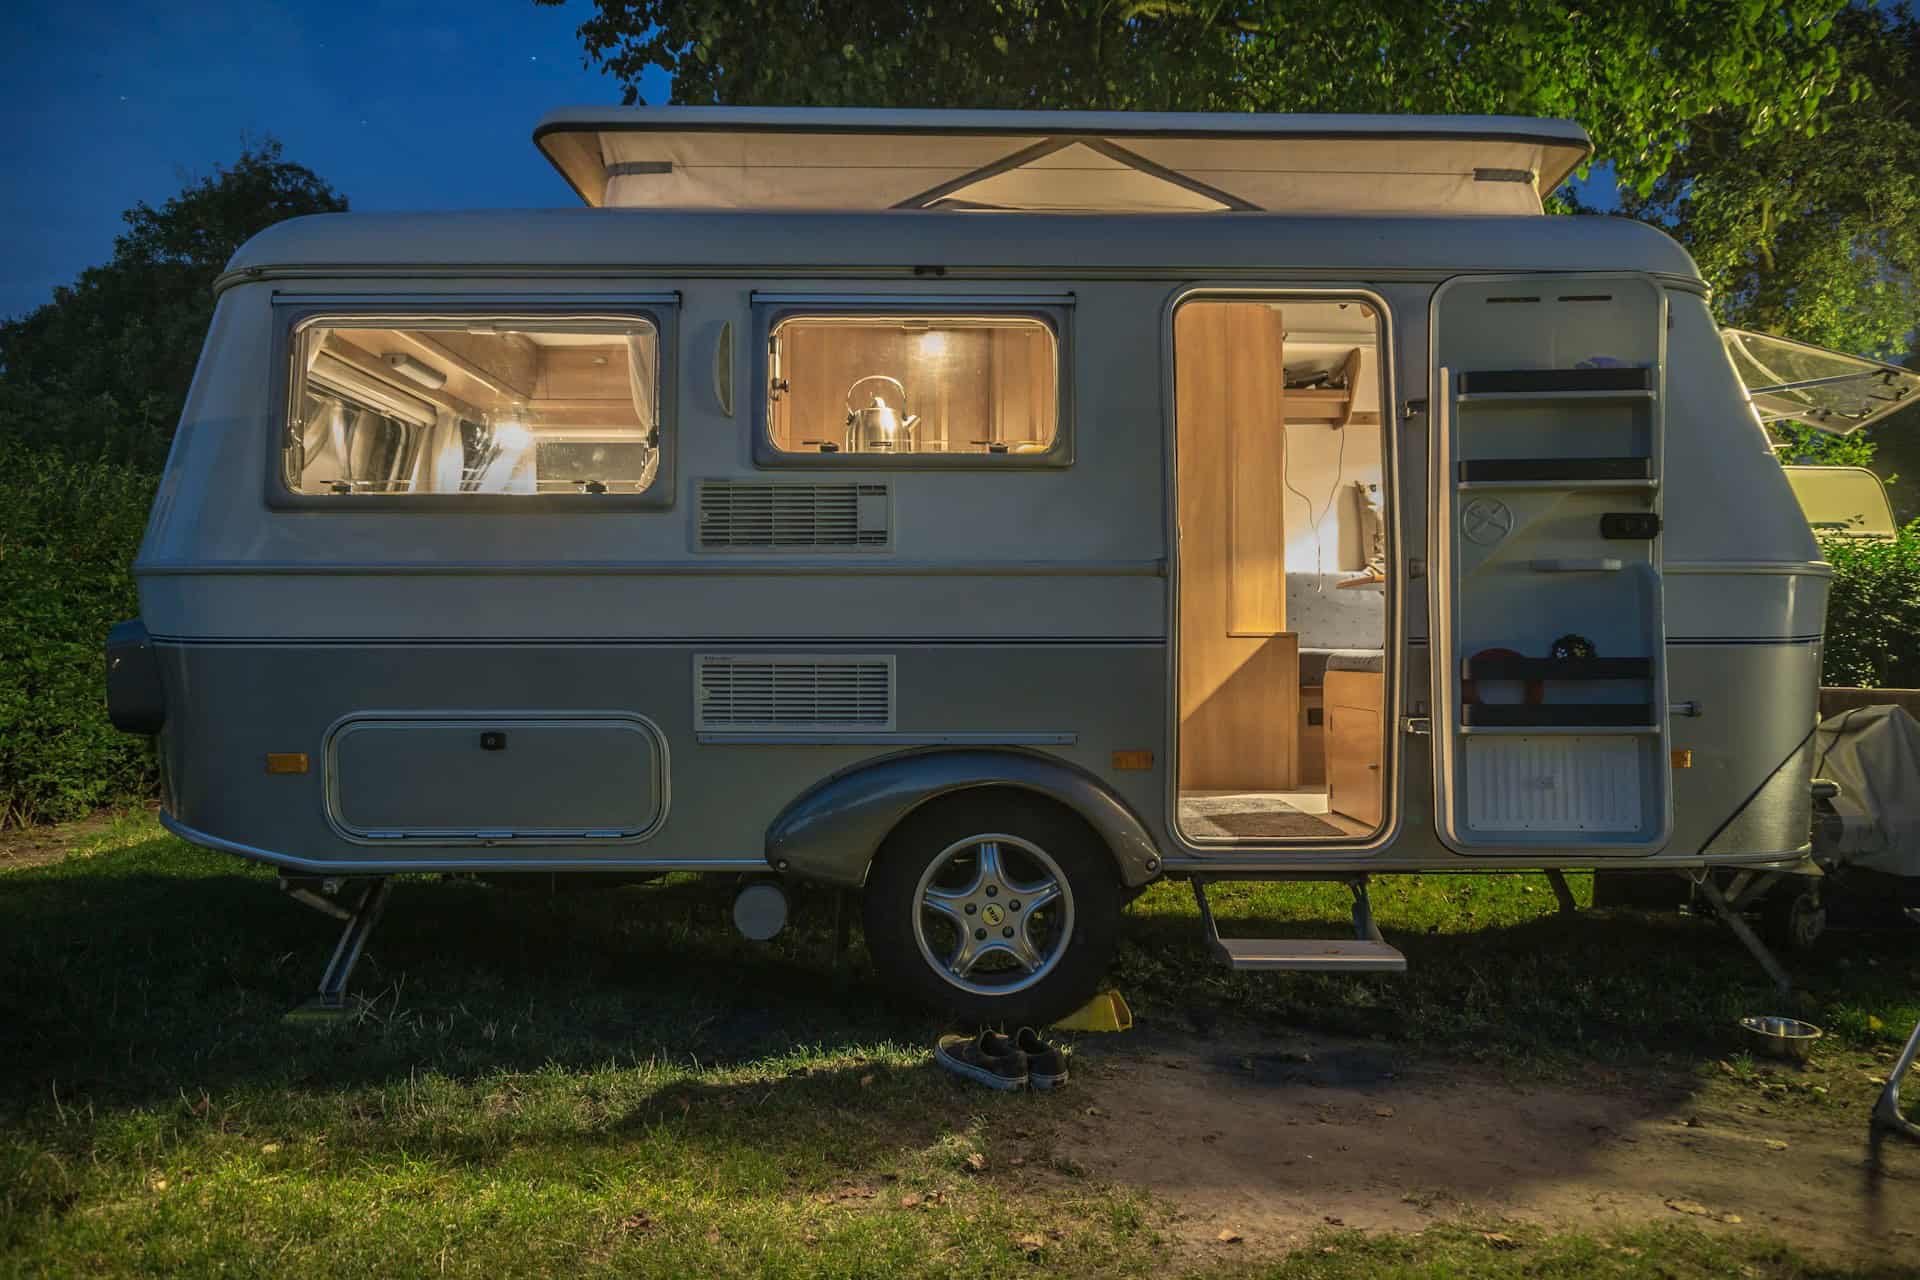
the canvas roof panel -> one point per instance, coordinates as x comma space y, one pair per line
1068, 161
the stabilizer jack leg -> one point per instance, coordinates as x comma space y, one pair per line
1364, 927
330, 1000
1730, 916
1886, 1112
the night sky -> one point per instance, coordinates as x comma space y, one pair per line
399, 105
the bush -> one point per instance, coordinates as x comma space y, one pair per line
1873, 613
68, 533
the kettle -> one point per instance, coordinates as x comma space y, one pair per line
878, 427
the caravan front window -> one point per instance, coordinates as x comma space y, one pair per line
473, 405
890, 385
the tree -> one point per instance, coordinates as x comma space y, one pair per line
102, 371
1816, 238
1635, 72
1812, 238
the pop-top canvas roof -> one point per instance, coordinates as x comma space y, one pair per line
1057, 161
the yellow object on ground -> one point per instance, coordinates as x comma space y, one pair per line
1105, 1012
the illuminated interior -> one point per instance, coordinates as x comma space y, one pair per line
1283, 570
475, 405
913, 385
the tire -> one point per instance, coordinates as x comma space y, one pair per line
1792, 917
1038, 848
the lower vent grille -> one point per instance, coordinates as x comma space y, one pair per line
744, 693
789, 516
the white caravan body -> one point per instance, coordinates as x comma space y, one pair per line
751, 654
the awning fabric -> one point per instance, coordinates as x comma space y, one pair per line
1116, 162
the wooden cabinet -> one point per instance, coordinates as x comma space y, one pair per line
1355, 743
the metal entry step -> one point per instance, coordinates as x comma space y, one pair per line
1313, 955
1368, 952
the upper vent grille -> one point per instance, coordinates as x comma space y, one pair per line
788, 516
792, 693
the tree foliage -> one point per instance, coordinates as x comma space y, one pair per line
1636, 73
102, 371
1816, 238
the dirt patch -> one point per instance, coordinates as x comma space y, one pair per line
1270, 1142
37, 846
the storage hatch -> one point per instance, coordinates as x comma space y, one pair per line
504, 777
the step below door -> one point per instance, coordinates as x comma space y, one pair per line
1547, 623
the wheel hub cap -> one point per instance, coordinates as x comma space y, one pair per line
993, 914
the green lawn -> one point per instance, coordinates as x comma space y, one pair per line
611, 1082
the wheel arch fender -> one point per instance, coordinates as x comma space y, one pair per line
831, 832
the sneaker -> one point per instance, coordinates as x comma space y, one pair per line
1046, 1063
988, 1058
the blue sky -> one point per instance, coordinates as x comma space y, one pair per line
399, 105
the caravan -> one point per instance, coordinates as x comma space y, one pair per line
988, 513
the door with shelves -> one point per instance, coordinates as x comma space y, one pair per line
1547, 606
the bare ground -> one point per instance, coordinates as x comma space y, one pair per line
36, 846
1270, 1142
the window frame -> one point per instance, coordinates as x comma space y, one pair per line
1055, 311
294, 315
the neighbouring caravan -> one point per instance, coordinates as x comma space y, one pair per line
986, 512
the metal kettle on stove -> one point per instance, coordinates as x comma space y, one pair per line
879, 427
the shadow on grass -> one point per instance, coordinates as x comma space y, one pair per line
144, 971
155, 970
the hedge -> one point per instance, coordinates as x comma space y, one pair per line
68, 533
1873, 611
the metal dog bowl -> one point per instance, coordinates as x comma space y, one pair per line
1787, 1038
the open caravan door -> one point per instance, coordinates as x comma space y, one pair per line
1547, 627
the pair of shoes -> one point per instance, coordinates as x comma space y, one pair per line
1004, 1062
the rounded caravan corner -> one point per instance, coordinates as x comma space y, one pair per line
268, 247
832, 831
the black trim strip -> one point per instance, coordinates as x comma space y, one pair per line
1517, 469
1562, 715
1551, 381
1558, 668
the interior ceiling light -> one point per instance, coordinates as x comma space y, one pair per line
416, 370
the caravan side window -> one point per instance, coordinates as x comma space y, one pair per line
863, 387
384, 406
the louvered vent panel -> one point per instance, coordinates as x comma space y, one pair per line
1573, 783
791, 693
740, 515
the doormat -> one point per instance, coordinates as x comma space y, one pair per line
1252, 817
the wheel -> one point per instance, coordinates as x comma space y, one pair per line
998, 907
1793, 917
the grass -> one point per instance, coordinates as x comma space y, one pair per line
600, 1082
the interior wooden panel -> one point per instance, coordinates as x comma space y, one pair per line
968, 386
1355, 744
1312, 768
1255, 419
1239, 694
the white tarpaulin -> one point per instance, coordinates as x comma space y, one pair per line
1874, 754
1069, 161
